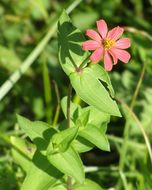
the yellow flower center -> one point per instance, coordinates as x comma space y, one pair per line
107, 43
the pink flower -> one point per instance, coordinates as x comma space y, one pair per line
107, 44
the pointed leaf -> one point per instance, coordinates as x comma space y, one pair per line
95, 136
42, 175
93, 92
69, 163
39, 132
82, 145
70, 40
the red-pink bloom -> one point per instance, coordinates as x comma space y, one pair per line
107, 44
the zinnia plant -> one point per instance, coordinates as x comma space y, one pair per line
58, 146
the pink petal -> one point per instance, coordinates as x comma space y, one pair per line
122, 55
94, 35
115, 33
112, 53
102, 28
90, 45
97, 55
123, 43
107, 62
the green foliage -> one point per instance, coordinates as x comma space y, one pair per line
89, 88
62, 140
42, 175
70, 38
59, 153
92, 129
22, 152
69, 163
39, 132
95, 136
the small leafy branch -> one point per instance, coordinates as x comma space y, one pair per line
54, 160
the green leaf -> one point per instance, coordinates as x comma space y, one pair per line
39, 132
82, 145
88, 185
69, 163
95, 136
41, 175
101, 74
76, 112
62, 140
89, 88
22, 152
70, 38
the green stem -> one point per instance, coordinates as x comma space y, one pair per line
68, 106
9, 84
124, 181
47, 92
69, 183
86, 61
73, 6
57, 112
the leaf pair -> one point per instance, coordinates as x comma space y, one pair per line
47, 162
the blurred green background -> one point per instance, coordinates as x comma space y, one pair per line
23, 23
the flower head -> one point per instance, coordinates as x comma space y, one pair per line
107, 44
